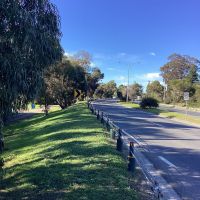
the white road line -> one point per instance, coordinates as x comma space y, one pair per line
167, 161
137, 141
157, 124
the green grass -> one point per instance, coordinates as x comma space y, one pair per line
129, 104
165, 113
63, 156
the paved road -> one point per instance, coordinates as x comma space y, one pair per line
174, 147
179, 110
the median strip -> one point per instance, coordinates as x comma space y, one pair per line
163, 113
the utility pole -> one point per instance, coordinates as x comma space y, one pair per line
165, 90
127, 89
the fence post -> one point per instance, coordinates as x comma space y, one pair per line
1, 150
97, 114
102, 121
112, 133
131, 158
119, 141
1, 144
107, 124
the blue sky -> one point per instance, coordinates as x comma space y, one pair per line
134, 34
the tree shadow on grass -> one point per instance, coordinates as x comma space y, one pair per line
78, 172
72, 163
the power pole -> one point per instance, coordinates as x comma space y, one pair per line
127, 89
165, 90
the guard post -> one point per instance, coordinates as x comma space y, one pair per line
102, 121
1, 144
131, 158
119, 141
97, 114
107, 124
112, 133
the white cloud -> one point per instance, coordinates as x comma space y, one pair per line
68, 54
111, 68
121, 78
152, 53
92, 64
151, 76
145, 78
124, 83
122, 54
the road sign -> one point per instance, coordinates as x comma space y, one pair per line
77, 93
186, 96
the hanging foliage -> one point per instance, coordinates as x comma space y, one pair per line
29, 43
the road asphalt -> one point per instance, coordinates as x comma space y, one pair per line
174, 148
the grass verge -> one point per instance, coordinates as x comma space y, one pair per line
63, 156
165, 113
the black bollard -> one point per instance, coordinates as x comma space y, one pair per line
1, 145
92, 109
98, 114
131, 158
1, 162
119, 141
112, 134
102, 121
107, 124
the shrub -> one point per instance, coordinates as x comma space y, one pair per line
149, 102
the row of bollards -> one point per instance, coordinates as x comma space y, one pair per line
114, 134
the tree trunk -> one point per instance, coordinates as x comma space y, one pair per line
46, 111
1, 142
1, 136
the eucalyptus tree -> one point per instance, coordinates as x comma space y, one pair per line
106, 90
93, 80
180, 74
155, 90
121, 92
29, 43
135, 90
180, 67
60, 83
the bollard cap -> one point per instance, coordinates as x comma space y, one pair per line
132, 144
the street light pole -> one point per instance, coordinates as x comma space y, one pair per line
127, 89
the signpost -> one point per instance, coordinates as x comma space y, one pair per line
186, 97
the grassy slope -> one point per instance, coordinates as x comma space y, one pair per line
63, 156
165, 113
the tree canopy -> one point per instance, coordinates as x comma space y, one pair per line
135, 90
180, 67
60, 82
155, 90
30, 42
93, 79
63, 79
180, 74
106, 90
